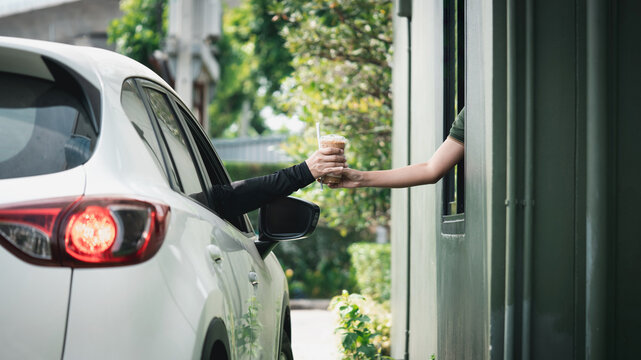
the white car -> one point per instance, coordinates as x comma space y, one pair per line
111, 246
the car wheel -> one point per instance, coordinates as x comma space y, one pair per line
285, 348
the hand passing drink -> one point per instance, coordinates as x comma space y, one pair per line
332, 141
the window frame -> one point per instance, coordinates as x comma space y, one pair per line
170, 169
175, 183
156, 130
242, 222
453, 222
187, 125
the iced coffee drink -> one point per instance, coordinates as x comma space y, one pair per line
335, 141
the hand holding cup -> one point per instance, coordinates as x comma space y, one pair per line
333, 142
326, 160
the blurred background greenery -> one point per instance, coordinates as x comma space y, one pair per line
316, 267
312, 61
325, 61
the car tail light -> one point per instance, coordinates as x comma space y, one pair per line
85, 231
91, 232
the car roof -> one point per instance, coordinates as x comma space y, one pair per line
99, 66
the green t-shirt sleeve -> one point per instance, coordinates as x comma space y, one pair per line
458, 127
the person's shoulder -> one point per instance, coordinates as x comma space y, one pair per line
457, 131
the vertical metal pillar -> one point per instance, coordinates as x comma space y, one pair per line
529, 180
404, 9
511, 201
597, 180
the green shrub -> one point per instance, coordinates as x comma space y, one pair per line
364, 326
318, 266
372, 268
365, 320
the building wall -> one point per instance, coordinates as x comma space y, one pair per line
82, 22
548, 264
625, 312
256, 150
399, 209
424, 137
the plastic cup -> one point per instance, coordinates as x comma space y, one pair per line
332, 141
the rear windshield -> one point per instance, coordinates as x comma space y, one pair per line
44, 128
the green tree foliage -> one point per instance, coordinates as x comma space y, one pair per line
140, 31
237, 63
342, 77
274, 59
251, 55
253, 60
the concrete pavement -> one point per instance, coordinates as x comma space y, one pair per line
313, 335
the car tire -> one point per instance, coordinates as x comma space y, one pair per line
285, 348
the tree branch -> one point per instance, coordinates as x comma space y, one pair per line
356, 29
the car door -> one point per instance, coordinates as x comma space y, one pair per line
216, 260
259, 326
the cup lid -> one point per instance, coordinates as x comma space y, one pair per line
334, 137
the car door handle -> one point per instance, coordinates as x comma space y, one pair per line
253, 278
214, 253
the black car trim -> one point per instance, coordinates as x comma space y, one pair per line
216, 332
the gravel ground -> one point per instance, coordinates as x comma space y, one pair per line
313, 335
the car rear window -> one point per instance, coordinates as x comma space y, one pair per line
44, 127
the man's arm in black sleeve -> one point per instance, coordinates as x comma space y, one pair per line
246, 195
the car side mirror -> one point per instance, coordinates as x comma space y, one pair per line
283, 219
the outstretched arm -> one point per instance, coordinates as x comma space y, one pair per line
242, 196
446, 156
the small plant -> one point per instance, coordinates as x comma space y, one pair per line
371, 263
360, 340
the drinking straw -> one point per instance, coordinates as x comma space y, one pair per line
319, 145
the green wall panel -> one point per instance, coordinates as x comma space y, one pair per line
555, 122
458, 283
626, 297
